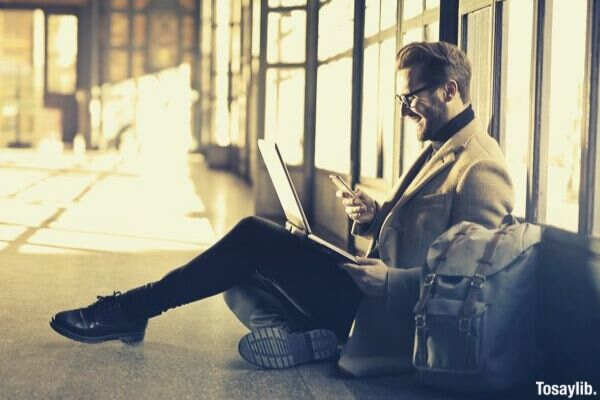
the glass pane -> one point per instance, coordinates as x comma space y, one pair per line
119, 4
207, 31
332, 142
388, 14
139, 60
387, 103
236, 52
140, 4
338, 13
371, 17
479, 40
286, 37
118, 65
119, 29
429, 4
432, 32
369, 142
284, 111
188, 58
22, 117
286, 3
207, 11
188, 32
164, 37
222, 15
206, 78
139, 30
187, 4
62, 54
566, 119
411, 8
236, 11
514, 122
377, 131
411, 147
255, 28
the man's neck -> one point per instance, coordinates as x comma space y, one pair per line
449, 129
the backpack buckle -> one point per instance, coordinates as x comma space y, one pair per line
429, 279
464, 324
420, 320
477, 281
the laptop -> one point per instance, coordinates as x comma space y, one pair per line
290, 202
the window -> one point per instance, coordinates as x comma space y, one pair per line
411, 147
377, 130
286, 36
566, 118
284, 111
517, 36
285, 79
334, 102
334, 87
478, 47
418, 24
62, 54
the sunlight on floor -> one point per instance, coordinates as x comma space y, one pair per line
52, 203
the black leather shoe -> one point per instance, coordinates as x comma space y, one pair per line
103, 320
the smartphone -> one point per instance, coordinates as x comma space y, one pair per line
342, 185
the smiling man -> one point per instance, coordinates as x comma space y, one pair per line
460, 176
295, 299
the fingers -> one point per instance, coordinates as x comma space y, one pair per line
364, 261
353, 269
364, 198
343, 194
355, 209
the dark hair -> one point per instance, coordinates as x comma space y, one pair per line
438, 63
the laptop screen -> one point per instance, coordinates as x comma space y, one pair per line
283, 184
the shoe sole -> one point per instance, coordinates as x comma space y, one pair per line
131, 338
274, 348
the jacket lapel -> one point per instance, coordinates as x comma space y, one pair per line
442, 159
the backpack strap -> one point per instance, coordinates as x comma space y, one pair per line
477, 281
430, 278
479, 277
428, 285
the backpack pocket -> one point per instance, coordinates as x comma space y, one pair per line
445, 342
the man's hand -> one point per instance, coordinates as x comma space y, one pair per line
360, 208
370, 274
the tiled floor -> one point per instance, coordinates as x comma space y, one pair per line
74, 227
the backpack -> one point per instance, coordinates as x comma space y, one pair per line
475, 318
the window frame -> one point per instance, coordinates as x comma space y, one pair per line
379, 182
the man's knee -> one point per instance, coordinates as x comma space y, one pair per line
248, 225
233, 297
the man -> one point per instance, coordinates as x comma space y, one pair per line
297, 302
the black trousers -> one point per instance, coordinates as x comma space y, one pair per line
259, 252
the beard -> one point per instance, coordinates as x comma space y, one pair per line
432, 120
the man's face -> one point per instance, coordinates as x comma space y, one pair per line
426, 110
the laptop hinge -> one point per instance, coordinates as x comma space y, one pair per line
294, 230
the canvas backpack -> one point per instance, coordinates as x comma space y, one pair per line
475, 318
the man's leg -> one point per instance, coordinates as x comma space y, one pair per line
258, 304
254, 244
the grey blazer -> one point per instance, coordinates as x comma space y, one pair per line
465, 180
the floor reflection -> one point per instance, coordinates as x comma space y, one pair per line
53, 201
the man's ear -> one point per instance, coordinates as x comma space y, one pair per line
450, 90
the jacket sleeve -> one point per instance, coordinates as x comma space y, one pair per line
402, 289
484, 195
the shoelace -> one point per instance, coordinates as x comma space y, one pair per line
105, 305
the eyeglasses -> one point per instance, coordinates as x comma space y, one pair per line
407, 99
